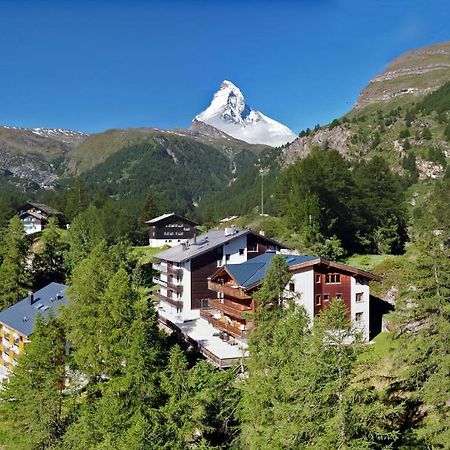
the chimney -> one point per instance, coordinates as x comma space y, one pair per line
31, 298
184, 246
262, 232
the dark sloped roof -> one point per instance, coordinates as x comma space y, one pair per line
22, 316
254, 270
47, 209
169, 218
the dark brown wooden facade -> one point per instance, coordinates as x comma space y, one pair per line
173, 227
201, 268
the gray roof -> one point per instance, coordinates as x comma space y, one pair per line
22, 316
254, 270
47, 209
204, 243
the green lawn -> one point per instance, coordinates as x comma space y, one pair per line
368, 262
145, 254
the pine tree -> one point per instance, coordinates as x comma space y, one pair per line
49, 264
121, 408
14, 279
423, 358
86, 231
92, 285
33, 398
149, 210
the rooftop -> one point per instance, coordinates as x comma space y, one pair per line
164, 217
203, 243
22, 316
253, 271
41, 206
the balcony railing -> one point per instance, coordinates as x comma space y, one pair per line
169, 285
235, 292
233, 330
234, 310
173, 302
169, 270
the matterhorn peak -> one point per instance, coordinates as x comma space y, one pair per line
230, 113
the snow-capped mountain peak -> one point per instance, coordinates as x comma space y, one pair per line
230, 113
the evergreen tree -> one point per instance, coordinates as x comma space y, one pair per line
86, 231
14, 279
95, 311
149, 210
49, 264
423, 357
33, 398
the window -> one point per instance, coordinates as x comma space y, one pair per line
326, 297
317, 277
292, 286
241, 251
359, 316
359, 297
227, 257
339, 296
252, 247
318, 299
332, 278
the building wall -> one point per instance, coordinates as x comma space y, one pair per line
304, 290
201, 268
361, 286
170, 233
232, 249
12, 345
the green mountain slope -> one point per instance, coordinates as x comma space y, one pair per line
403, 115
179, 170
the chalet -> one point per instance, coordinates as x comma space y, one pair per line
170, 229
183, 282
314, 283
17, 322
35, 216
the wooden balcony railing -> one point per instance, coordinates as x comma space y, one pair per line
235, 292
207, 314
236, 310
173, 302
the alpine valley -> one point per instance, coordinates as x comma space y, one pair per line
402, 115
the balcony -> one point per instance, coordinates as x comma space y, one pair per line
238, 331
232, 309
169, 270
169, 285
228, 290
171, 301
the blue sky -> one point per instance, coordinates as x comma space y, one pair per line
94, 65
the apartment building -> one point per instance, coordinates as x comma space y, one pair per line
17, 321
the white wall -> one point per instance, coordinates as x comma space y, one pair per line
361, 307
232, 248
156, 243
304, 289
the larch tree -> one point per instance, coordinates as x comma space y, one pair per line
32, 399
49, 264
14, 277
423, 356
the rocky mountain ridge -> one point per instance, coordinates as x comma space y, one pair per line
230, 113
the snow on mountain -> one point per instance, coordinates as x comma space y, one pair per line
229, 113
59, 134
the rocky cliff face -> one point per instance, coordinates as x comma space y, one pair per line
414, 73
